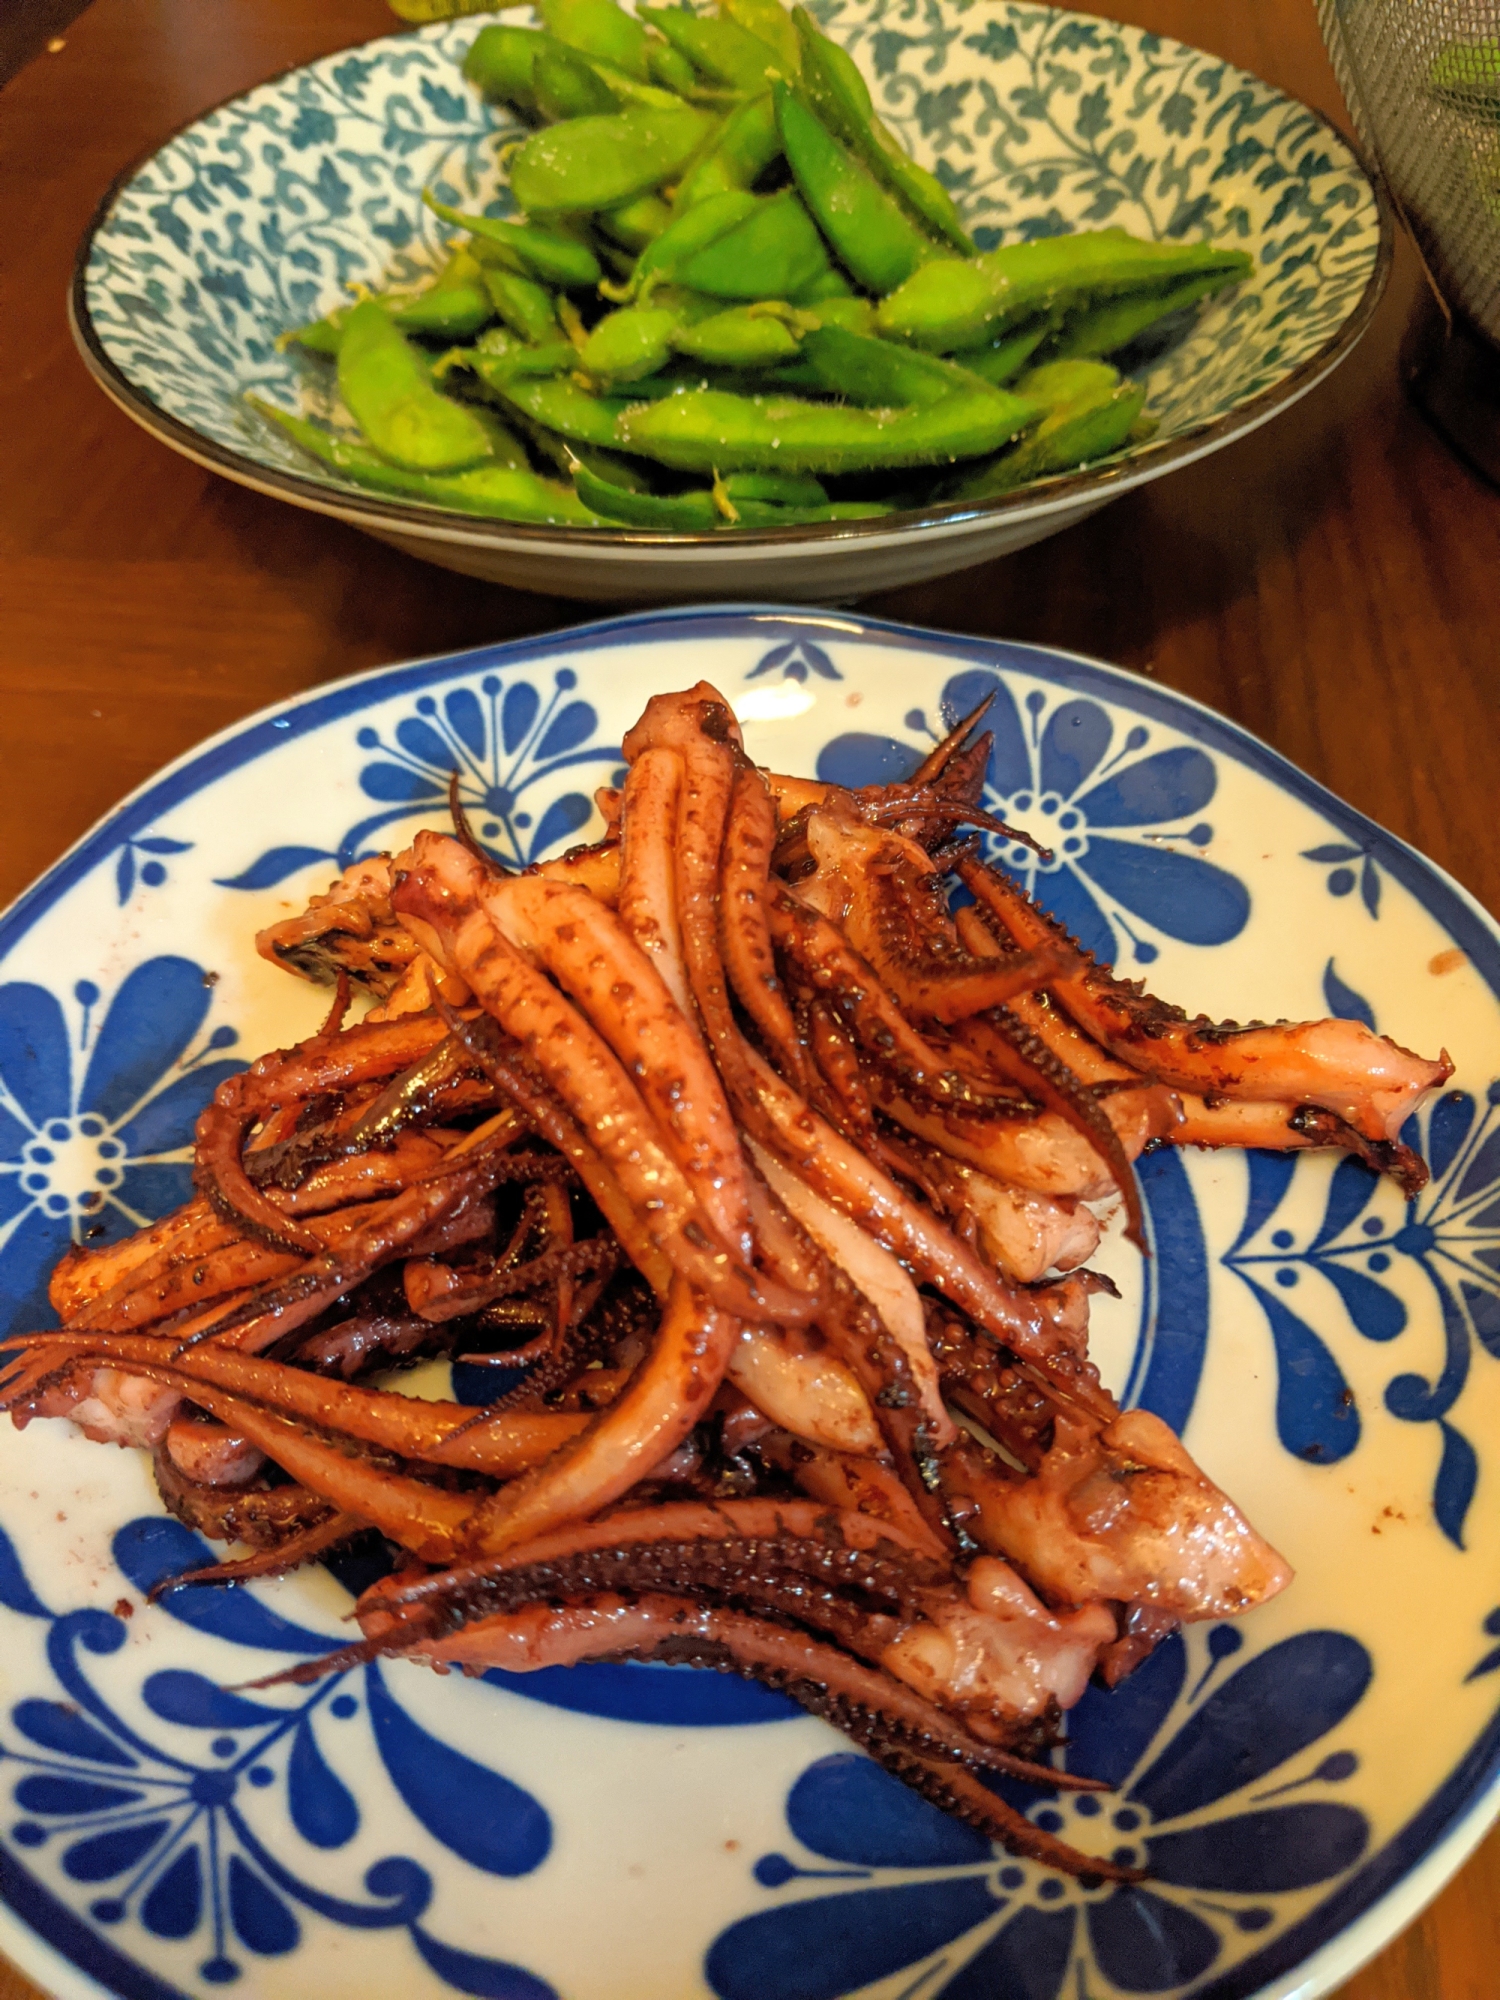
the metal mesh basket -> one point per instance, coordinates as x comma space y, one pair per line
1422, 78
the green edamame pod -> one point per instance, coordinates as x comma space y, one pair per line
755, 336
1088, 412
453, 307
705, 430
446, 312
632, 93
952, 304
598, 28
712, 218
557, 403
635, 341
514, 359
1102, 329
502, 63
757, 514
775, 489
524, 306
548, 254
1001, 360
774, 252
718, 50
593, 163
690, 513
855, 315
841, 97
831, 284
636, 223
567, 87
746, 146
770, 23
879, 374
670, 68
390, 394
869, 231
503, 492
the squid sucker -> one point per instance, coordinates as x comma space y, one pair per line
761, 1184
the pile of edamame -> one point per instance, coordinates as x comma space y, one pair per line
728, 299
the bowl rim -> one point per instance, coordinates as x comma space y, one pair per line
1059, 493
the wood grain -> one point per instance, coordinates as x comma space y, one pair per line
1332, 582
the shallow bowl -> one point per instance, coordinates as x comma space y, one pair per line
255, 218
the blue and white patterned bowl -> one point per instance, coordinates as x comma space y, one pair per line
255, 219
1298, 1782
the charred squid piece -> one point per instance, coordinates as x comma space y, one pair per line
887, 894
278, 1559
350, 929
831, 968
1367, 1080
1023, 1058
255, 1392
241, 1102
263, 1514
366, 1340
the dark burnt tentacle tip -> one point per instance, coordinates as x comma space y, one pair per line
461, 823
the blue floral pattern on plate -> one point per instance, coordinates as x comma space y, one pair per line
260, 1831
940, 1905
1066, 775
97, 1115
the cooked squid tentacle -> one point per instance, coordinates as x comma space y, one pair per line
1366, 1079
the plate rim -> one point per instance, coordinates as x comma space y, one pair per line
1036, 500
1392, 1886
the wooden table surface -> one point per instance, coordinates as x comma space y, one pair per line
1332, 582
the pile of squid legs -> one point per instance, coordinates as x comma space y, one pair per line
774, 1167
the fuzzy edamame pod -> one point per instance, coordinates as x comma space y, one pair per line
523, 305
503, 492
565, 86
555, 402
547, 254
774, 489
455, 306
706, 430
389, 391
1000, 360
630, 343
870, 233
953, 304
744, 149
880, 374
1088, 411
593, 163
676, 513
717, 49
770, 23
773, 252
660, 261
755, 336
636, 223
841, 97
1103, 329
598, 28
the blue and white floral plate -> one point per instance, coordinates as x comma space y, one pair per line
1298, 1783
257, 217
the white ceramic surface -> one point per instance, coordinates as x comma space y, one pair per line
254, 220
1298, 1782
